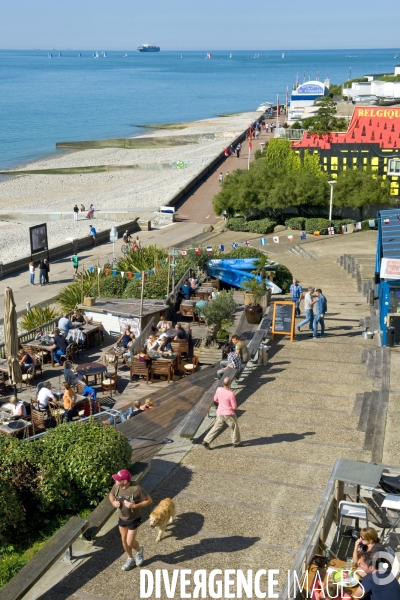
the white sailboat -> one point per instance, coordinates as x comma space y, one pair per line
283, 55
181, 56
125, 56
79, 55
96, 55
105, 54
59, 54
230, 56
209, 55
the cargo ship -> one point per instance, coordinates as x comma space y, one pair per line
148, 48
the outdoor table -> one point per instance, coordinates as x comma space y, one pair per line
164, 357
92, 331
91, 369
11, 427
358, 473
313, 570
79, 400
203, 293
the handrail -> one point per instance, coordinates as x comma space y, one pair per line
178, 285
138, 343
113, 412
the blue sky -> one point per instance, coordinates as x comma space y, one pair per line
199, 24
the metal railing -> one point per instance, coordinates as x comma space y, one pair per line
139, 341
171, 297
28, 335
289, 134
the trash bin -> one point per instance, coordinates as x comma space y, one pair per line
263, 354
390, 337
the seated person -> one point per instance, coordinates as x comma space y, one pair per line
241, 349
148, 404
18, 407
233, 362
142, 355
69, 376
162, 324
127, 355
165, 343
365, 543
59, 347
378, 583
194, 282
187, 290
77, 317
64, 324
198, 307
127, 414
69, 400
38, 335
44, 396
152, 343
25, 359
89, 392
125, 337
180, 333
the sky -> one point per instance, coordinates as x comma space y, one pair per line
199, 24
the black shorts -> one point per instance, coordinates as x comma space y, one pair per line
131, 525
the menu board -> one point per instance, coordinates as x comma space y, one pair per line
283, 319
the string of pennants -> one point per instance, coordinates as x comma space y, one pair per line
129, 274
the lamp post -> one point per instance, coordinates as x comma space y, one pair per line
332, 184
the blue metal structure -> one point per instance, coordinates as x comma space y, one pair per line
388, 246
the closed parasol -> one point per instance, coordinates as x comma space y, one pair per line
11, 337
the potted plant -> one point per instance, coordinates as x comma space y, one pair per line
215, 313
254, 291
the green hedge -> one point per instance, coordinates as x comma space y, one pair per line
283, 277
295, 223
260, 226
320, 225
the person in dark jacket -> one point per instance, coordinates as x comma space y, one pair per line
47, 267
42, 272
59, 348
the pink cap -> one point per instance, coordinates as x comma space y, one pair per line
123, 475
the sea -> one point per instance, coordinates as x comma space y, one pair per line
74, 96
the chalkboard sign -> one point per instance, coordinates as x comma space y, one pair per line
283, 319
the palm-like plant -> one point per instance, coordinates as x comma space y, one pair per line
141, 260
37, 316
255, 288
73, 294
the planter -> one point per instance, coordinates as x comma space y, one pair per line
248, 298
254, 314
207, 356
89, 301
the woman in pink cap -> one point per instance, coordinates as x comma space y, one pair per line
129, 499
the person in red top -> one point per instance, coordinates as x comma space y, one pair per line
227, 405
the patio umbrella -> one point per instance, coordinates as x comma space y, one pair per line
11, 337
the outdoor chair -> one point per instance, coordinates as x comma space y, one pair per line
140, 368
3, 385
56, 413
37, 364
110, 383
28, 377
39, 420
162, 368
190, 368
180, 347
70, 352
352, 510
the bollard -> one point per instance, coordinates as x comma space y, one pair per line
390, 331
370, 297
263, 355
28, 306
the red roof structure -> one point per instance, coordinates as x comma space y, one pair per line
369, 125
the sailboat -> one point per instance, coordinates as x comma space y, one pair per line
283, 55
396, 56
230, 56
181, 56
79, 55
96, 55
209, 55
49, 55
125, 56
59, 54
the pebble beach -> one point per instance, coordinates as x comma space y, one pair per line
143, 189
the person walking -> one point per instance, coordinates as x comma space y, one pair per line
93, 233
137, 242
31, 273
76, 212
47, 268
75, 263
129, 499
227, 405
238, 149
297, 294
42, 272
320, 311
308, 309
220, 177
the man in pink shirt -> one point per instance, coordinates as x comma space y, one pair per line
227, 405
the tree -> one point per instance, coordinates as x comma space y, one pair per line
216, 311
360, 189
326, 120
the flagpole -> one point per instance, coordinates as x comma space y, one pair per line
277, 109
98, 278
250, 144
83, 272
141, 301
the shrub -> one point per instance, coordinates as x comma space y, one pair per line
236, 224
37, 316
259, 226
283, 277
320, 225
295, 223
141, 260
110, 286
365, 225
76, 463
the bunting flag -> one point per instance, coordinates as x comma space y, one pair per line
290, 237
106, 271
331, 231
303, 235
263, 241
114, 272
221, 248
372, 223
386, 221
137, 275
122, 273
162, 262
247, 243
317, 233
358, 225
129, 275
98, 270
198, 250
184, 253
234, 245
149, 272
209, 249
91, 269
276, 239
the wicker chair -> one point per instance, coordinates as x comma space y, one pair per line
140, 368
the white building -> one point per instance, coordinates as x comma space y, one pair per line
362, 91
304, 96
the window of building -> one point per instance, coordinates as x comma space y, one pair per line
393, 166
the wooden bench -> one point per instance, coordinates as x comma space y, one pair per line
30, 574
201, 410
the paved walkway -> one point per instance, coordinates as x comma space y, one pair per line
249, 508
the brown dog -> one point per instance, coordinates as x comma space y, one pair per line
163, 514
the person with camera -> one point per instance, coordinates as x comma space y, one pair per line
129, 499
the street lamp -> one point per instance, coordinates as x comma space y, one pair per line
332, 184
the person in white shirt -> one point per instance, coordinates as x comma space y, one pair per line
45, 395
18, 407
308, 308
